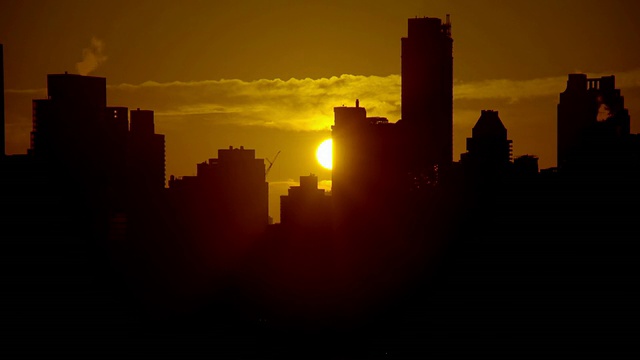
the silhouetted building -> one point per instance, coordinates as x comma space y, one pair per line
306, 206
369, 163
89, 147
117, 148
2, 120
488, 149
146, 153
526, 165
593, 125
346, 153
71, 139
427, 95
228, 197
69, 127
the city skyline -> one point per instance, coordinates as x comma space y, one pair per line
153, 219
201, 112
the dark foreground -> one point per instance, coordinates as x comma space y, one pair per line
530, 280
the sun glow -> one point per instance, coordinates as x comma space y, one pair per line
324, 154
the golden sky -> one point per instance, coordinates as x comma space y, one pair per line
266, 74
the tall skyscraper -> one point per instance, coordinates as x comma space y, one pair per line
69, 127
347, 152
369, 163
2, 134
427, 92
81, 139
66, 121
592, 122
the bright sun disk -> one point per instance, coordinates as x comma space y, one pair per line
324, 154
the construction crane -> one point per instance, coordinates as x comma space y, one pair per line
271, 163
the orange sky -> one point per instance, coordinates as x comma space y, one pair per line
267, 74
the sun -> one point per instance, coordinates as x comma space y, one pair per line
324, 154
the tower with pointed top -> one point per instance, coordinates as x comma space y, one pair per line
488, 157
488, 145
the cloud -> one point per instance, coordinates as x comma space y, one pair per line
92, 57
294, 104
307, 104
514, 90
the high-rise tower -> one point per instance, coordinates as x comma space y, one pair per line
67, 124
592, 122
427, 91
2, 135
69, 127
369, 165
488, 150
